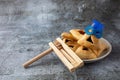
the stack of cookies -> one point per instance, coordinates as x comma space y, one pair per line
84, 45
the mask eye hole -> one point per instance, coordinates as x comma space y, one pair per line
97, 32
89, 39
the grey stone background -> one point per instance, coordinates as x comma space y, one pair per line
26, 27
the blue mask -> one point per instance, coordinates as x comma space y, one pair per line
95, 29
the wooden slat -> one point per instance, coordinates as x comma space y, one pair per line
62, 57
71, 60
70, 52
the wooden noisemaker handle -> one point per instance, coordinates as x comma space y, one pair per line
26, 64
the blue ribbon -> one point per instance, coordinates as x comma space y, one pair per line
95, 29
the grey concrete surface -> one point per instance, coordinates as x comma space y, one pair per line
26, 27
